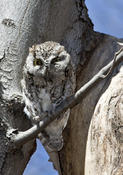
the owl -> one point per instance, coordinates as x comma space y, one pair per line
48, 78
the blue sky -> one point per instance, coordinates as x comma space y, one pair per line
107, 16
39, 164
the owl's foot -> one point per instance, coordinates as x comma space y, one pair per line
36, 119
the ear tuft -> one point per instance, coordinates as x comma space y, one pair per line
31, 49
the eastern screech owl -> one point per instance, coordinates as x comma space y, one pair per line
48, 78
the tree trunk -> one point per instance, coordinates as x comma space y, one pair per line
104, 154
73, 153
24, 23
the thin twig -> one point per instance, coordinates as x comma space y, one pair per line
114, 60
70, 102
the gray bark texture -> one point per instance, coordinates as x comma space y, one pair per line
24, 23
104, 153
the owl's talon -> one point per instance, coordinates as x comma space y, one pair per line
36, 119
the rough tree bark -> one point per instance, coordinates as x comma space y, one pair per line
104, 154
23, 23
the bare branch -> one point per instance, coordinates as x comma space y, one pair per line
113, 64
70, 102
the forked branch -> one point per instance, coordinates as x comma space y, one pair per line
70, 102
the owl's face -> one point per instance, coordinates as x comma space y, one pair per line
49, 58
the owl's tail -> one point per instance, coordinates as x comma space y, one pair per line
54, 155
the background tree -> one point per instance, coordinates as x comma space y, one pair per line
23, 24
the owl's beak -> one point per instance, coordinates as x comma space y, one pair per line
44, 72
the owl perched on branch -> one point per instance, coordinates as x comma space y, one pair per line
48, 78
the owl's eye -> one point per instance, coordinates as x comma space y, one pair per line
57, 59
37, 62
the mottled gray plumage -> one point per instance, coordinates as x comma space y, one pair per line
48, 78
